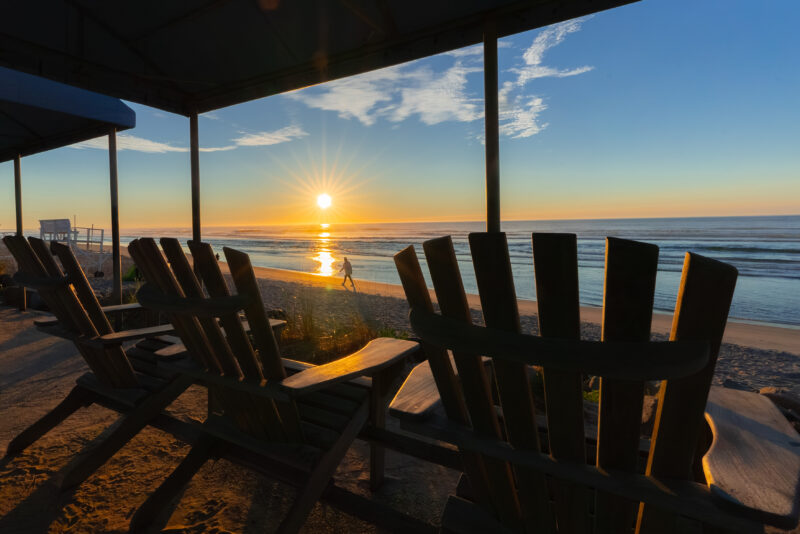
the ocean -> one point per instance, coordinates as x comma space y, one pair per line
765, 250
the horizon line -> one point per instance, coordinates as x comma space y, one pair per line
420, 221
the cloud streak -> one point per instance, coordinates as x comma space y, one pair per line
148, 146
283, 135
403, 92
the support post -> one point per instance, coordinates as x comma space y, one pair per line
23, 304
114, 187
194, 147
492, 121
18, 193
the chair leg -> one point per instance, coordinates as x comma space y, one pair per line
205, 448
377, 419
319, 478
129, 426
77, 398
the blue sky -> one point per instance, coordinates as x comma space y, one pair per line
661, 108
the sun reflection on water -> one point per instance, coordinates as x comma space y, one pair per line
323, 254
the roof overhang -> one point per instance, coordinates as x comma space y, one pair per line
199, 55
38, 114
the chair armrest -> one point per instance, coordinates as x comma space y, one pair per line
418, 398
116, 338
753, 464
46, 322
121, 307
377, 355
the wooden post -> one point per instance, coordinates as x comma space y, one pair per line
492, 121
18, 205
194, 146
18, 193
116, 294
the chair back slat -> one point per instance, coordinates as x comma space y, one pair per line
244, 279
110, 365
148, 258
416, 291
240, 351
77, 278
555, 263
204, 339
499, 304
628, 292
29, 263
631, 267
113, 357
701, 312
474, 380
279, 420
191, 288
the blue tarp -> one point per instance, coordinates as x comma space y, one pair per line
37, 114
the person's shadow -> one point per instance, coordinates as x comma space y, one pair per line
351, 289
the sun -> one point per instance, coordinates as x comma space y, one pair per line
324, 201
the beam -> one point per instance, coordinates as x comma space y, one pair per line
492, 120
116, 295
18, 193
194, 146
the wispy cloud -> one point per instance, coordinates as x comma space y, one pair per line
140, 144
533, 68
519, 111
131, 142
433, 96
283, 135
439, 97
397, 93
356, 97
217, 148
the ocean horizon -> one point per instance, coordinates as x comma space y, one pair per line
765, 250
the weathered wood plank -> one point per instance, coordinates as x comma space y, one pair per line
701, 313
499, 305
555, 263
418, 396
79, 281
620, 360
754, 459
418, 297
376, 355
678, 496
245, 281
452, 299
240, 352
630, 283
115, 338
149, 259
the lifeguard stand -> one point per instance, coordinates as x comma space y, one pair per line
62, 231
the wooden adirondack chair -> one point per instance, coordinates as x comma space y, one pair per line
115, 380
300, 419
523, 473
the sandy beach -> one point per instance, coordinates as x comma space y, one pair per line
37, 370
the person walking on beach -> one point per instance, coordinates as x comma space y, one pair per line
348, 272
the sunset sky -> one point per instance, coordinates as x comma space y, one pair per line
661, 108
